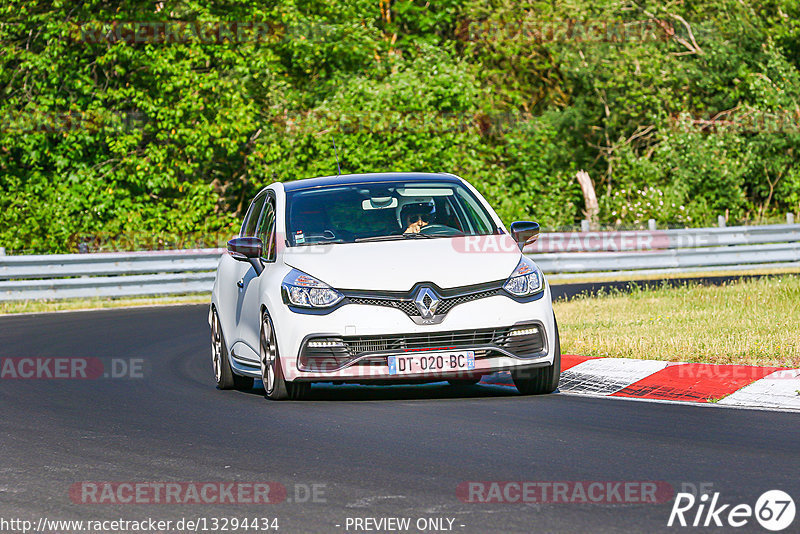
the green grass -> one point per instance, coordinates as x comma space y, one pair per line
42, 306
750, 322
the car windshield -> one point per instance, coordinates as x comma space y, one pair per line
383, 211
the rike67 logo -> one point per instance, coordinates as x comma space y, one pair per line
774, 510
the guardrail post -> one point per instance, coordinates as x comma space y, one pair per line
2, 251
584, 225
721, 221
651, 225
790, 218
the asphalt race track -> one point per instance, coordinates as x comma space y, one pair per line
567, 290
374, 452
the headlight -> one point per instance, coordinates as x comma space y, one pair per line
305, 291
526, 279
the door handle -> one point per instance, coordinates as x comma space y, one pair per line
240, 283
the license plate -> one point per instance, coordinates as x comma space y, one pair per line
433, 362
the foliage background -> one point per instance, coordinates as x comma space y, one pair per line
103, 137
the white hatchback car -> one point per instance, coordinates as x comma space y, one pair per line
380, 279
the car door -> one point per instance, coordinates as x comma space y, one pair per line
236, 274
250, 323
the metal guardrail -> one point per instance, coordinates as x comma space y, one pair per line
725, 256
739, 248
118, 274
665, 239
560, 255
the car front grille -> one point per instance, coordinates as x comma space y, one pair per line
447, 304
425, 341
408, 307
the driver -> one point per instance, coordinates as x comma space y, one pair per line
417, 215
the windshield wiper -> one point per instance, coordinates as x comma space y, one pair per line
378, 238
417, 236
326, 242
394, 237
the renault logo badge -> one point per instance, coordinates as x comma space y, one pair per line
426, 301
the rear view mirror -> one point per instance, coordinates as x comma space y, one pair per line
247, 249
381, 203
244, 248
525, 233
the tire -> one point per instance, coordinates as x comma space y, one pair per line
544, 379
223, 374
275, 387
464, 381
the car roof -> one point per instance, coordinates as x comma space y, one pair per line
378, 177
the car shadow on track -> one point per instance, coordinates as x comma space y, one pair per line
432, 391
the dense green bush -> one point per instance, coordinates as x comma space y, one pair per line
154, 143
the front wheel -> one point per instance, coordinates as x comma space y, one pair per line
544, 379
275, 387
223, 374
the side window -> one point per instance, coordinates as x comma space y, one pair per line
251, 219
266, 230
476, 213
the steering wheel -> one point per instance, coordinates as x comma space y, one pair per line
439, 229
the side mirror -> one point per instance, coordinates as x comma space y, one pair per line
525, 233
247, 249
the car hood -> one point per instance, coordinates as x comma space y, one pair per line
399, 264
